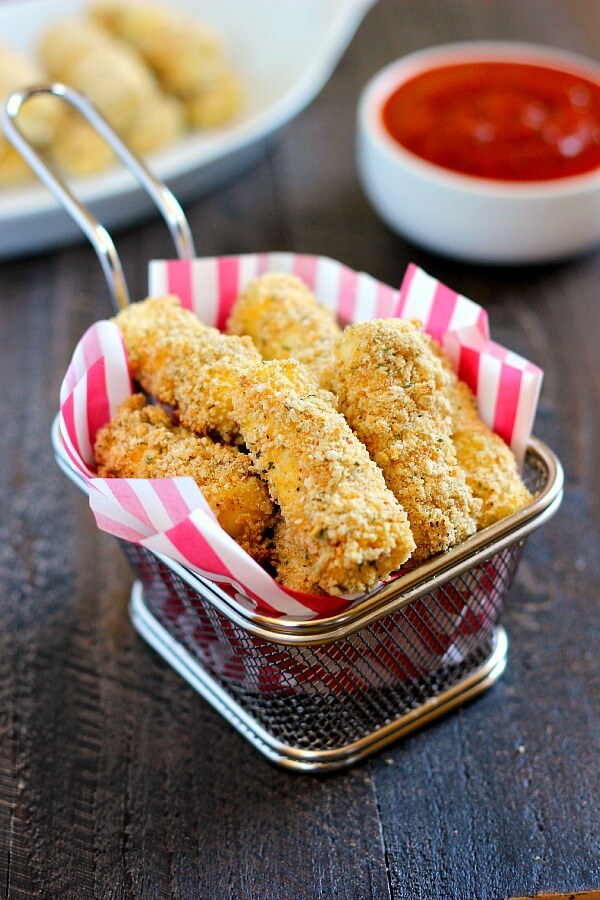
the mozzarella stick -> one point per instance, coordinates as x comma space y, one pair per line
186, 364
218, 102
142, 442
79, 150
186, 55
291, 560
489, 464
13, 168
39, 118
391, 389
157, 122
350, 529
285, 320
109, 72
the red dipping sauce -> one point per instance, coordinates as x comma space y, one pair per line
507, 121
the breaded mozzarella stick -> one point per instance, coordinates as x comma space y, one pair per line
186, 55
186, 364
489, 464
285, 320
109, 72
13, 168
390, 387
157, 122
291, 560
350, 529
218, 102
141, 442
78, 149
40, 117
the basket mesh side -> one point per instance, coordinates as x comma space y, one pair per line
328, 695
324, 696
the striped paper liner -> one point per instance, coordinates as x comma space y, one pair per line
171, 516
506, 385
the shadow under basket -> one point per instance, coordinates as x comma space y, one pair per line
320, 695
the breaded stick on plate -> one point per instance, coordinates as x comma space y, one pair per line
186, 364
391, 388
39, 119
350, 529
142, 442
186, 55
489, 464
109, 72
285, 320
157, 122
79, 150
13, 168
220, 101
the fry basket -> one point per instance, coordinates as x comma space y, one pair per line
320, 694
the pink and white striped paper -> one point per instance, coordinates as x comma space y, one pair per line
506, 385
170, 516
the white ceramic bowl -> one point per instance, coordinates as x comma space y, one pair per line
461, 216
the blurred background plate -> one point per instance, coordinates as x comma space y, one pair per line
284, 50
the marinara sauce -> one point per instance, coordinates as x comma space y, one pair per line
502, 120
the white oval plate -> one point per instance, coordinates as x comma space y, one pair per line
285, 51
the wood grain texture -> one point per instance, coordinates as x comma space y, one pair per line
116, 781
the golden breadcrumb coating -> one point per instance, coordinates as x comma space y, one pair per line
186, 364
40, 117
350, 529
142, 442
489, 464
218, 102
285, 320
291, 560
391, 388
78, 149
186, 55
109, 72
182, 51
157, 122
13, 168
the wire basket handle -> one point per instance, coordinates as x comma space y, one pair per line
97, 234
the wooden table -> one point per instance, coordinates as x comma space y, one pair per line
116, 780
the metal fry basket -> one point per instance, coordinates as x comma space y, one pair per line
316, 696
320, 694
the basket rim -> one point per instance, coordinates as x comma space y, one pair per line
389, 597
